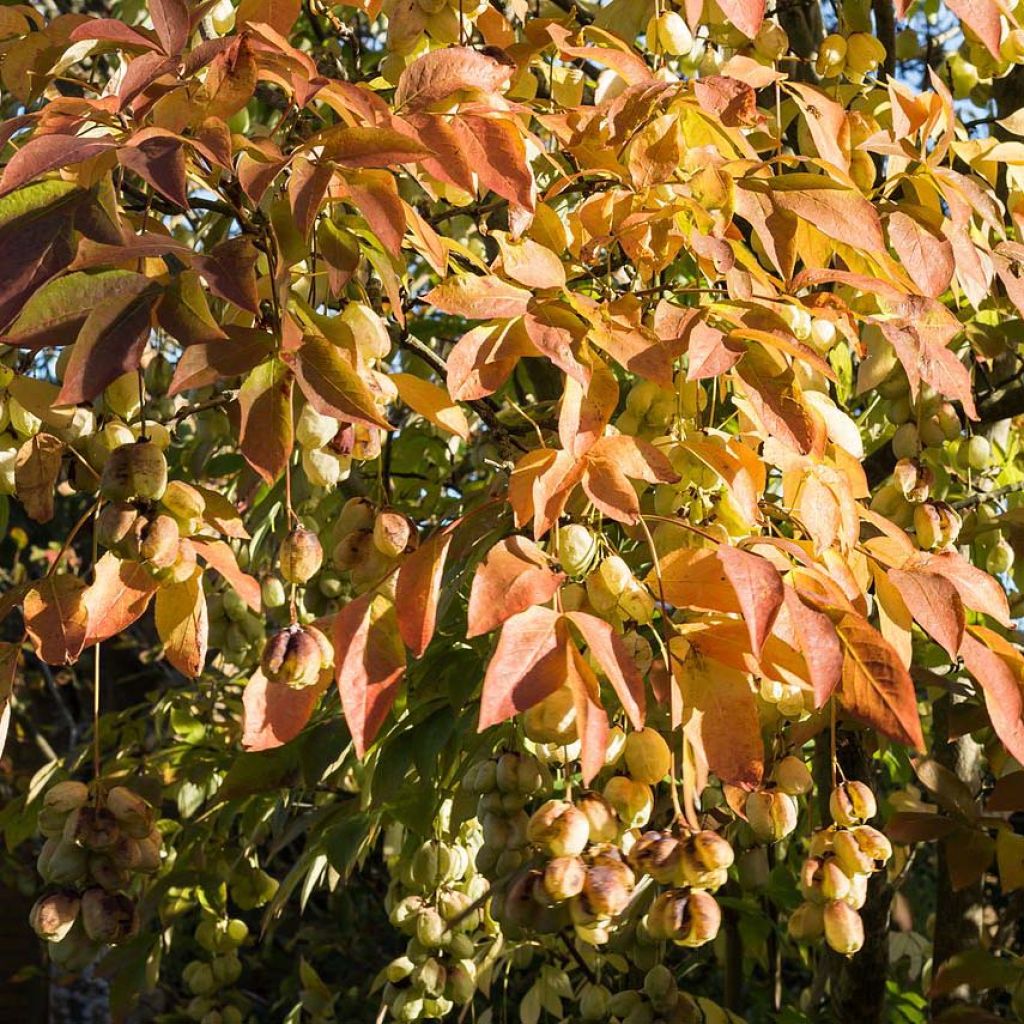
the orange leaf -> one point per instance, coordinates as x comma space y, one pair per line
935, 605
369, 664
479, 297
272, 713
266, 419
182, 623
439, 73
591, 718
56, 618
977, 589
758, 588
432, 403
513, 577
1000, 680
876, 688
418, 590
219, 556
118, 595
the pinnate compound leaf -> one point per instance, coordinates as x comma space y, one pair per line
56, 618
514, 576
182, 623
876, 688
369, 663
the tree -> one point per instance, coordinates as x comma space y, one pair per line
543, 473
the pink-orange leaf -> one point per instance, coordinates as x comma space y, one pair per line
418, 590
935, 605
219, 556
56, 618
118, 595
272, 713
608, 650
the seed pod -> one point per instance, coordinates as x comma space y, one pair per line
793, 776
810, 880
313, 429
673, 34
300, 556
913, 479
92, 827
185, 503
149, 852
114, 524
604, 826
62, 862
564, 878
771, 814
656, 854
807, 922
272, 592
852, 803
430, 928
52, 916
109, 917
133, 814
461, 983
632, 801
576, 548
844, 929
356, 514
608, 886
648, 758
835, 883
552, 720
559, 828
293, 657
67, 796
850, 857
393, 534
134, 471
936, 525
687, 918
353, 550
858, 892
154, 541
711, 850
107, 874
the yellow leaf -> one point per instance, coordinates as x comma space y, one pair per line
432, 403
1010, 859
182, 624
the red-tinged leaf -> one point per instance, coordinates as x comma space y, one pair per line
478, 297
876, 688
432, 403
184, 313
935, 604
142, 72
838, 213
1001, 683
549, 330
628, 65
160, 162
110, 30
418, 590
759, 590
219, 556
483, 359
266, 433
36, 469
982, 17
586, 411
280, 15
826, 121
927, 256
528, 664
529, 263
57, 618
611, 463
363, 146
1007, 794
369, 663
730, 101
172, 24
204, 364
440, 73
746, 15
182, 623
497, 154
710, 353
111, 343
451, 163
375, 195
331, 384
514, 576
230, 83
48, 152
721, 721
273, 714
591, 718
812, 633
118, 596
608, 650
230, 271
978, 590
54, 315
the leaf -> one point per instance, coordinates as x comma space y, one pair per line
118, 596
727, 100
497, 153
514, 576
418, 590
876, 688
440, 73
758, 588
528, 262
369, 665
586, 410
721, 718
935, 604
44, 153
160, 161
273, 714
230, 271
479, 297
55, 314
266, 432
363, 146
182, 624
280, 15
746, 15
926, 256
977, 589
10, 656
1007, 794
1001, 685
36, 469
949, 790
332, 384
171, 21
609, 465
918, 827
219, 556
591, 718
835, 211
208, 362
432, 403
977, 969
56, 618
982, 17
528, 664
111, 343
813, 634
606, 648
